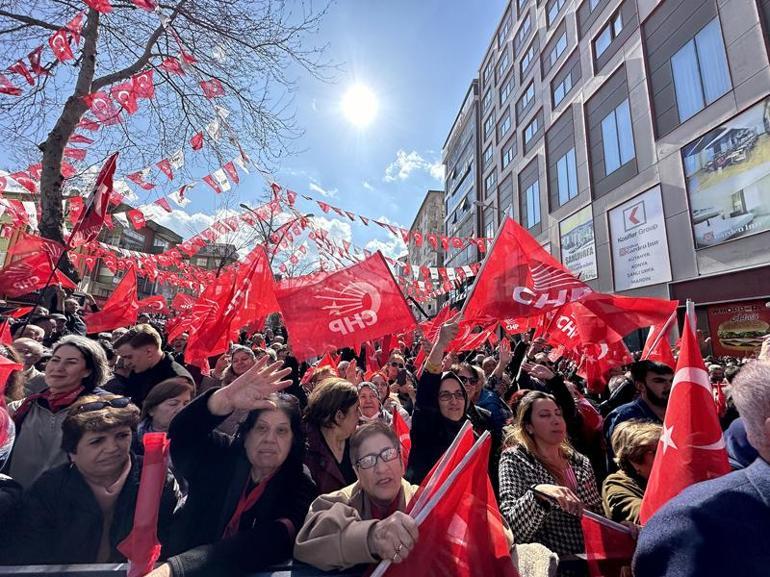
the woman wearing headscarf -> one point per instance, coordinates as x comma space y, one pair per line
77, 367
247, 496
441, 408
369, 405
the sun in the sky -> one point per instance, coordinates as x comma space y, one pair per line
359, 105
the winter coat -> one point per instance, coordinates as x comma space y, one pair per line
323, 466
216, 470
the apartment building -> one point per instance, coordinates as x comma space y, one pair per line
429, 218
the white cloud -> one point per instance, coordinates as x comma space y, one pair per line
407, 162
392, 248
367, 186
315, 187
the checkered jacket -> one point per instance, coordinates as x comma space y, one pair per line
533, 521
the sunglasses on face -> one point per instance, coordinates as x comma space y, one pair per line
119, 403
446, 396
466, 380
386, 455
396, 364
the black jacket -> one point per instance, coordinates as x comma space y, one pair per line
216, 470
139, 384
60, 520
431, 433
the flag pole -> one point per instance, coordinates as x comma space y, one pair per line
591, 515
663, 331
691, 314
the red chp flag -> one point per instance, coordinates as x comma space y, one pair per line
31, 273
91, 221
691, 447
520, 279
223, 308
153, 304
359, 303
462, 534
119, 310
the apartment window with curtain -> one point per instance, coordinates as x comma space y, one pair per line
617, 138
610, 31
566, 177
532, 195
701, 75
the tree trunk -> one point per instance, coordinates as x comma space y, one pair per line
51, 180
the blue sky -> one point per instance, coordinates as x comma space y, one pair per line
418, 58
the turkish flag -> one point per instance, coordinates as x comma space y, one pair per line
153, 304
609, 546
401, 429
90, 223
691, 447
20, 67
124, 94
226, 305
359, 303
467, 339
657, 347
31, 273
60, 45
103, 107
520, 279
212, 88
141, 546
461, 533
34, 62
119, 310
173, 66
102, 6
197, 141
596, 361
143, 83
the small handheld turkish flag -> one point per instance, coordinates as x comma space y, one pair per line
691, 447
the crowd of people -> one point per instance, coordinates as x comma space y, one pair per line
272, 458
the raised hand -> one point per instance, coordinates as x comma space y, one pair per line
538, 371
251, 390
505, 352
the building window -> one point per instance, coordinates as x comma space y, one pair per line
562, 89
489, 231
502, 66
504, 29
617, 138
530, 130
509, 152
566, 177
611, 30
700, 71
489, 125
592, 4
505, 126
554, 9
489, 183
532, 194
528, 96
521, 35
201, 261
506, 90
487, 157
521, 4
487, 72
527, 59
487, 102
558, 50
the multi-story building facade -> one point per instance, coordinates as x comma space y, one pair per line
429, 218
215, 256
631, 138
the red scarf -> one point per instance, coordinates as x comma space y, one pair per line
246, 502
56, 402
383, 512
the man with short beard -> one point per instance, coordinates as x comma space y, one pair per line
653, 382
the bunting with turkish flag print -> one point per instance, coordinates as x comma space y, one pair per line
119, 310
520, 279
691, 447
356, 304
92, 219
153, 304
461, 530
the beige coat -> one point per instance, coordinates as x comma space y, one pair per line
336, 529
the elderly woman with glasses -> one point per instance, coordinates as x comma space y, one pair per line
364, 522
441, 408
78, 367
80, 511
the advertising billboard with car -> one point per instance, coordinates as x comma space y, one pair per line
728, 178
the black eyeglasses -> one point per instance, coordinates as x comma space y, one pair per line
395, 364
466, 380
119, 403
446, 396
369, 461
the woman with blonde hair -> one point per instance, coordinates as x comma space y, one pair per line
634, 443
544, 483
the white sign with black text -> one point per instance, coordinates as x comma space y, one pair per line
639, 242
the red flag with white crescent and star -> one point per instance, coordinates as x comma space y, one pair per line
691, 447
